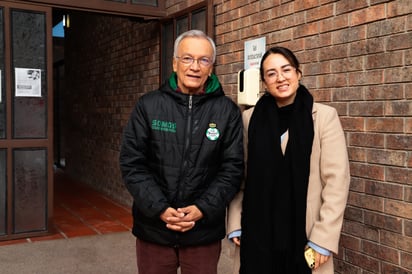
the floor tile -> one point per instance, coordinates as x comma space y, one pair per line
81, 211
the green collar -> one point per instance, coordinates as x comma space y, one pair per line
212, 83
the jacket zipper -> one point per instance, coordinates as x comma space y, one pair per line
188, 142
184, 164
188, 133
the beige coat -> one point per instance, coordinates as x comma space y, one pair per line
328, 184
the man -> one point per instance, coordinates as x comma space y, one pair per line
182, 161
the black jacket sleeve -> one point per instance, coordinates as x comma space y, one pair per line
148, 197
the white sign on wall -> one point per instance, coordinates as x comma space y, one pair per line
28, 82
254, 50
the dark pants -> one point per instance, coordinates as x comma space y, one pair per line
158, 259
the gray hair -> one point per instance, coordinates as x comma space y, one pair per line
194, 33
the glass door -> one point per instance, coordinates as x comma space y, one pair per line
26, 171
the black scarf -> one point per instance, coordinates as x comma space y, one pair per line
274, 203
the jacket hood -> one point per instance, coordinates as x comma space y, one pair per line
212, 83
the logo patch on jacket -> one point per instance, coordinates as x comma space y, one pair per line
164, 126
212, 133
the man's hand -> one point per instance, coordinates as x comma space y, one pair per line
182, 219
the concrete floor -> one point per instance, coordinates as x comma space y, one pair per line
97, 254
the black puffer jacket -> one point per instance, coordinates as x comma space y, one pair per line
180, 150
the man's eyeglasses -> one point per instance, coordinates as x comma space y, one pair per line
188, 60
272, 75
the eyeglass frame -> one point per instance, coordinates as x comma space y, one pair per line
283, 73
183, 59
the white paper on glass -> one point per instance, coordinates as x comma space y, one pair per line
28, 82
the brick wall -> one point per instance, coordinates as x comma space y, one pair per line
110, 62
356, 56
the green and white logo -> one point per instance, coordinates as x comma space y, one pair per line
164, 126
212, 133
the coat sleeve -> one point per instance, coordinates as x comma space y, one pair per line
235, 207
329, 182
148, 197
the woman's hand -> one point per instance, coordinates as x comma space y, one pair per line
320, 260
236, 240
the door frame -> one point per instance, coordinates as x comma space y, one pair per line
9, 143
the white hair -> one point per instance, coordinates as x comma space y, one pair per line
194, 33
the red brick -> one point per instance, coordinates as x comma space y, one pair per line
366, 108
366, 47
332, 80
355, 63
306, 29
408, 228
398, 108
399, 41
361, 231
349, 35
353, 123
389, 125
269, 4
398, 208
384, 190
360, 259
348, 241
380, 252
406, 260
408, 194
399, 7
384, 60
333, 52
357, 184
396, 75
367, 171
366, 201
350, 5
390, 268
408, 125
395, 240
354, 214
345, 267
304, 5
383, 221
334, 23
348, 94
381, 92
385, 157
386, 27
398, 175
369, 14
401, 142
322, 95
366, 139
357, 154
318, 13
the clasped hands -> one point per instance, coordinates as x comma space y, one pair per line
181, 219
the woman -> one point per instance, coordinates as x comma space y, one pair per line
297, 178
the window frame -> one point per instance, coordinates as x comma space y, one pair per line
172, 20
